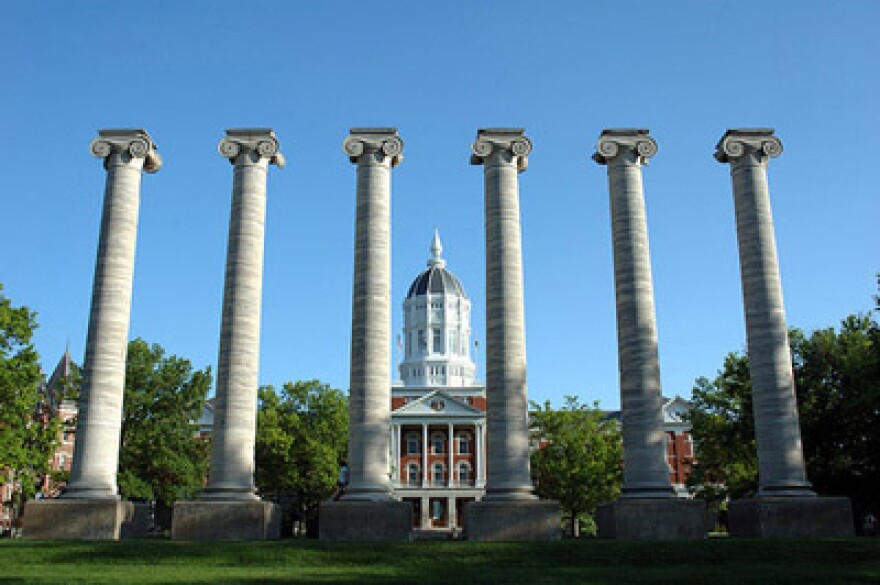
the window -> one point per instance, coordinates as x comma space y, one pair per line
463, 438
437, 473
412, 444
423, 342
438, 341
464, 472
438, 442
453, 341
412, 474
437, 509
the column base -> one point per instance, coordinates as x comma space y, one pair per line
629, 518
512, 520
793, 517
76, 519
229, 520
365, 520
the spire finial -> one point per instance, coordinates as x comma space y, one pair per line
436, 251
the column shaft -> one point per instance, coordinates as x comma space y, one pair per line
370, 386
644, 468
424, 455
235, 414
780, 453
502, 155
99, 422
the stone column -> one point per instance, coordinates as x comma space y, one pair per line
780, 508
250, 151
125, 154
780, 453
645, 473
229, 508
647, 508
375, 151
504, 153
510, 510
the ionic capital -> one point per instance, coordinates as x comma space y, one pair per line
129, 144
383, 142
250, 146
758, 143
511, 144
632, 145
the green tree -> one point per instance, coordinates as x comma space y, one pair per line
578, 457
28, 429
302, 436
161, 456
837, 379
837, 373
723, 429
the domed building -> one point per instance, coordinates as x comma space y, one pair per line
438, 409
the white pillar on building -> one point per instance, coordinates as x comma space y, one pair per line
425, 448
450, 475
479, 443
125, 153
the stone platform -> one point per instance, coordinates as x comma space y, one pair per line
226, 520
76, 519
652, 519
792, 517
365, 520
513, 520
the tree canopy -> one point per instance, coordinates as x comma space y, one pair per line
28, 429
302, 436
837, 380
578, 457
161, 456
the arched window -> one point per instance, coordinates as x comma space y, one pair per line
437, 473
464, 472
412, 474
412, 444
438, 443
463, 440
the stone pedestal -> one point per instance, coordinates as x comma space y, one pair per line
76, 519
792, 517
365, 520
512, 520
226, 520
652, 519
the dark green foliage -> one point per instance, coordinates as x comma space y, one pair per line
578, 459
162, 457
28, 429
723, 428
302, 436
837, 376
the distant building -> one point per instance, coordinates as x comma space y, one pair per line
438, 410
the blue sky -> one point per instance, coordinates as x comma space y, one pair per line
438, 71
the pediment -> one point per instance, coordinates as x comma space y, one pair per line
438, 404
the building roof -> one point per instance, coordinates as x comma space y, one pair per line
436, 280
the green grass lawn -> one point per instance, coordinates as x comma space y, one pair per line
714, 561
